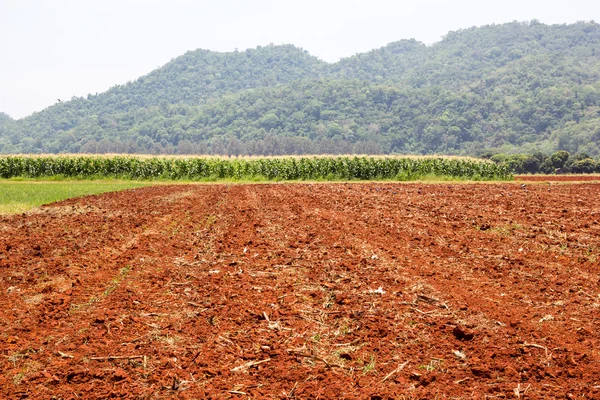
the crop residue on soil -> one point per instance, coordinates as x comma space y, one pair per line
305, 291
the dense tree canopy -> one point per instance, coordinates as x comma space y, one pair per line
517, 87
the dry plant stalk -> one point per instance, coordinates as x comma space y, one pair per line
400, 368
116, 358
249, 364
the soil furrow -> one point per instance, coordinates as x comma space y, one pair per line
305, 290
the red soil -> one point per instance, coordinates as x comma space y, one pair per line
558, 178
305, 291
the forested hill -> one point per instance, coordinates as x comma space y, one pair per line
466, 55
516, 87
202, 74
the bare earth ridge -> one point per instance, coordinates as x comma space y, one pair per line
381, 291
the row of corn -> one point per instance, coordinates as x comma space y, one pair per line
308, 168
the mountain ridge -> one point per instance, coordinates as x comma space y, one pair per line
510, 87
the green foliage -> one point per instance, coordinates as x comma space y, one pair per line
585, 166
510, 88
559, 159
559, 162
314, 168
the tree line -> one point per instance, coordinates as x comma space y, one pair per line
560, 162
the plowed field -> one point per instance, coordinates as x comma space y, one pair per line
305, 291
558, 178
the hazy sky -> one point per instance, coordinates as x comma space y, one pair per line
56, 49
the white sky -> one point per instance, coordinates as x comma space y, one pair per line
56, 49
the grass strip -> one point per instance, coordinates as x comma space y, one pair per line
20, 196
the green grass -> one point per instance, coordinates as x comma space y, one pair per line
23, 195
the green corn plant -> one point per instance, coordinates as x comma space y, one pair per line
305, 168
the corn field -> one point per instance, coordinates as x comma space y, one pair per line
309, 168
